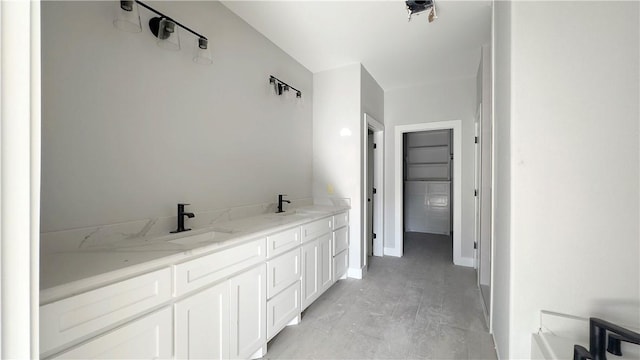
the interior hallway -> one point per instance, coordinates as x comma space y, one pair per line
417, 306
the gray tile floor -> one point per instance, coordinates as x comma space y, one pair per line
419, 306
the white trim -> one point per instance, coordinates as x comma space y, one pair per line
355, 273
20, 177
36, 169
466, 261
492, 300
477, 183
456, 126
392, 252
378, 180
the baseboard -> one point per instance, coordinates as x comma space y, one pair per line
465, 261
356, 273
495, 346
392, 252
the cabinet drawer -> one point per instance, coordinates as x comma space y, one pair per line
340, 240
148, 338
340, 264
281, 242
282, 272
314, 229
210, 268
340, 220
283, 308
85, 314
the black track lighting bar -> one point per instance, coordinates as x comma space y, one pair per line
280, 84
169, 18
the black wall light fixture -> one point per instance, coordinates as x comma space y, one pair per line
418, 6
163, 27
280, 86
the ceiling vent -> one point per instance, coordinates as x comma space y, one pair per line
419, 6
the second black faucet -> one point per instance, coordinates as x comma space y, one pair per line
280, 201
181, 215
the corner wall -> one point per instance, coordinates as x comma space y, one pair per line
130, 129
337, 146
573, 202
342, 96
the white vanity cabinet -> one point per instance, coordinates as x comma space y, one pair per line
317, 263
247, 313
222, 304
225, 321
149, 337
283, 291
202, 324
340, 245
325, 271
310, 273
78, 317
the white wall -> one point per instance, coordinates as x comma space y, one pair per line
501, 260
372, 96
336, 161
371, 103
454, 100
341, 97
130, 129
19, 178
575, 163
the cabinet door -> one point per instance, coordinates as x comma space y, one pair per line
282, 272
247, 311
310, 273
147, 338
282, 309
202, 324
87, 314
326, 262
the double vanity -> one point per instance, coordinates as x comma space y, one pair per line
216, 293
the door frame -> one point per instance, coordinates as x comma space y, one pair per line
477, 183
369, 122
400, 130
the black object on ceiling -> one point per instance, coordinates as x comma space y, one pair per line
418, 6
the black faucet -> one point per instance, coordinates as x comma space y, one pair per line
181, 215
280, 201
598, 336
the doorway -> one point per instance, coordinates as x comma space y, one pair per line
456, 127
373, 187
428, 157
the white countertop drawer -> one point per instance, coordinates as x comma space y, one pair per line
314, 229
283, 241
283, 271
150, 337
340, 220
340, 264
340, 240
83, 315
205, 270
282, 309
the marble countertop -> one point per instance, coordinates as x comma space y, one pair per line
68, 271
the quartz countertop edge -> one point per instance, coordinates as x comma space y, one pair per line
70, 283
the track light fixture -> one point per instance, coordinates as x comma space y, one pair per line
280, 86
418, 6
163, 27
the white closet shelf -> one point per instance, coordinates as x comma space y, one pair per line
427, 146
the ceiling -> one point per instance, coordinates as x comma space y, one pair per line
323, 35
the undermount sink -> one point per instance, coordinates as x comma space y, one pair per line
288, 214
202, 238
